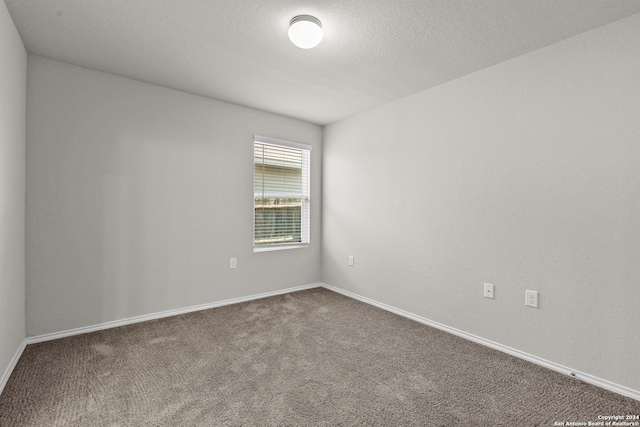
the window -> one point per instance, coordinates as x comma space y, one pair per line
281, 194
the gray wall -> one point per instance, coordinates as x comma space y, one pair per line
137, 196
525, 175
13, 77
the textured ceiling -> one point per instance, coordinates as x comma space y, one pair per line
373, 51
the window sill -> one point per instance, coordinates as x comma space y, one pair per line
279, 247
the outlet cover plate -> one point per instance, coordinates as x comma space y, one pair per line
531, 298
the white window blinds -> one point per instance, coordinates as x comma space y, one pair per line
281, 188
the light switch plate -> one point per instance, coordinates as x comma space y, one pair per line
488, 290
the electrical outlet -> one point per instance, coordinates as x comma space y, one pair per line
488, 290
351, 260
233, 262
531, 298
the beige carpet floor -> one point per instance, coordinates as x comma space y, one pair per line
310, 358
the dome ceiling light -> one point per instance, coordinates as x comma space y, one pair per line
305, 31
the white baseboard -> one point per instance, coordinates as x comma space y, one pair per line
12, 365
159, 315
616, 388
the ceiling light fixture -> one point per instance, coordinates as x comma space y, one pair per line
305, 31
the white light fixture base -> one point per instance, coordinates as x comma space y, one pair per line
305, 31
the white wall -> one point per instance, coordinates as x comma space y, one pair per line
525, 175
13, 77
137, 196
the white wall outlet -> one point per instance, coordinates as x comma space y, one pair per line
351, 260
488, 290
531, 298
233, 262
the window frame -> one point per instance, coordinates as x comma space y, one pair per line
305, 210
